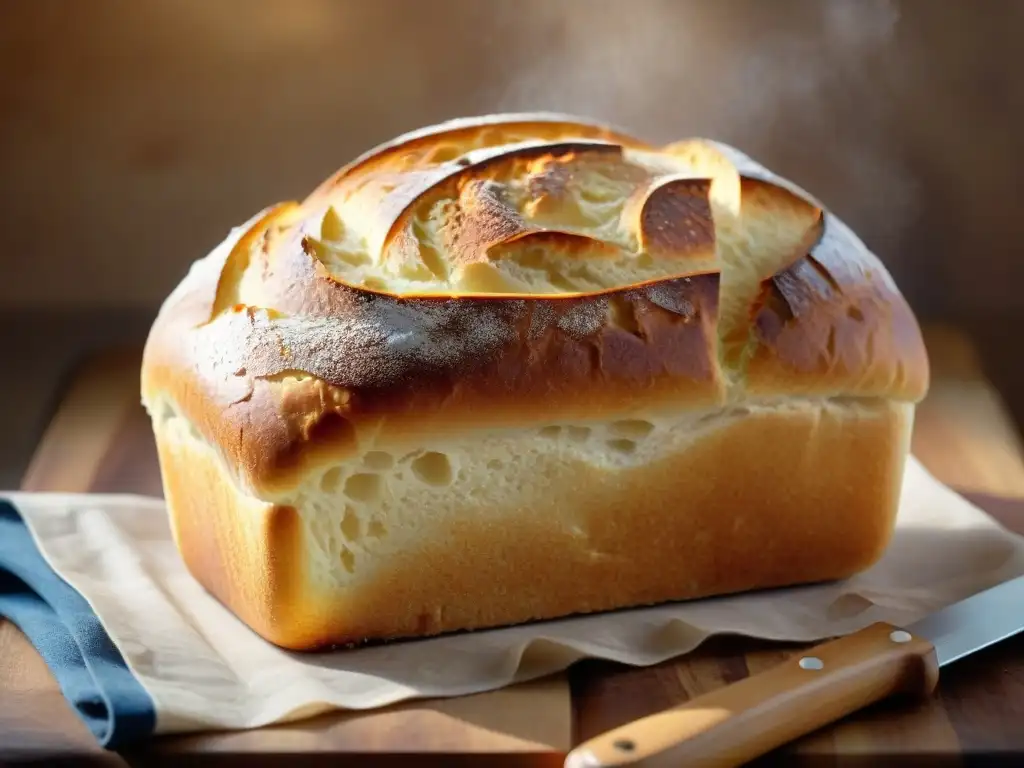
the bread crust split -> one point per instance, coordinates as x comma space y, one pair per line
525, 366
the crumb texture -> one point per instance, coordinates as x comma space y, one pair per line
521, 366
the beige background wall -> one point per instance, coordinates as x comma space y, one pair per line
134, 134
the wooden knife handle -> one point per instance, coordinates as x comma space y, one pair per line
736, 723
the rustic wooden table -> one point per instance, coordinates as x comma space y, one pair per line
99, 440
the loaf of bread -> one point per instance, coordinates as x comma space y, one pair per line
522, 367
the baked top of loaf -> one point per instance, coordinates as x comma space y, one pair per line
502, 271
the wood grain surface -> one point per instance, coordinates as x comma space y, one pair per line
734, 724
99, 440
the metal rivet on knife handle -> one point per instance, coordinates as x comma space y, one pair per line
737, 723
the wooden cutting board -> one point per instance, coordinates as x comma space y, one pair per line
100, 441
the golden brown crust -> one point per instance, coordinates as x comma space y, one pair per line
243, 551
593, 375
281, 364
674, 216
226, 375
436, 144
833, 319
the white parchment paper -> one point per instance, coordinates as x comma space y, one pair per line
205, 670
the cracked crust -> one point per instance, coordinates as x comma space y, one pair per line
506, 273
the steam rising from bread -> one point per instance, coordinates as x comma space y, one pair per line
667, 68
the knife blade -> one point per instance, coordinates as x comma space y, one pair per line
739, 722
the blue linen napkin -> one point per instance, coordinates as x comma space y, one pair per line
61, 625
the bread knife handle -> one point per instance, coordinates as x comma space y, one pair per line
747, 719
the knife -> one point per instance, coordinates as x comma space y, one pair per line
744, 720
